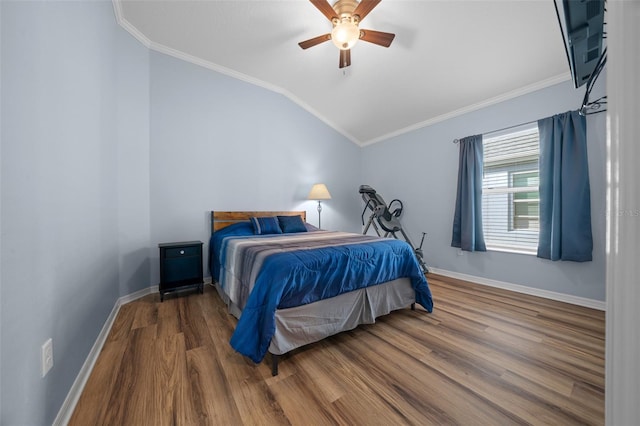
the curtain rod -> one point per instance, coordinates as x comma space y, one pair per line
503, 129
518, 125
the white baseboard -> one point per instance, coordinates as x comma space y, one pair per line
69, 404
560, 297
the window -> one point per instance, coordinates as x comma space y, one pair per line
510, 198
525, 200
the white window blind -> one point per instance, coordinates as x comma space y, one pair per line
510, 198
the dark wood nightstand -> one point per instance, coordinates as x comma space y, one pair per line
180, 267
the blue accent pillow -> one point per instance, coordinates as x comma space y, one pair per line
265, 225
290, 224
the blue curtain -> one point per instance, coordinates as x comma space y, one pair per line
565, 200
467, 220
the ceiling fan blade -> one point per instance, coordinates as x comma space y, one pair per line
325, 8
364, 7
345, 58
377, 37
313, 41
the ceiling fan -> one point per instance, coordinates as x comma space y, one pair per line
346, 15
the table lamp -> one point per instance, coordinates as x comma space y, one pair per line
319, 192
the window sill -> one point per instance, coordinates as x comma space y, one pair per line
516, 250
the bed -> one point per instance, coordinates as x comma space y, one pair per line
291, 284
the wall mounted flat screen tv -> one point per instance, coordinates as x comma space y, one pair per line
582, 25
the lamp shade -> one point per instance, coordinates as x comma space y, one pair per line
319, 191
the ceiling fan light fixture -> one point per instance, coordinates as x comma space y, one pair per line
345, 16
345, 33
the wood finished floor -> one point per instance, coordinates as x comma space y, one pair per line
485, 356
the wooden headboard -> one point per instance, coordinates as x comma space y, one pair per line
220, 220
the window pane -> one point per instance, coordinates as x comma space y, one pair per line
525, 179
531, 195
525, 223
529, 209
510, 198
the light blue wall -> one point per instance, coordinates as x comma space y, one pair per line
108, 149
74, 154
421, 169
218, 143
133, 163
1, 135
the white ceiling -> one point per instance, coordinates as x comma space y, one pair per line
448, 56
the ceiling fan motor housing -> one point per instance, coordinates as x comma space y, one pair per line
345, 7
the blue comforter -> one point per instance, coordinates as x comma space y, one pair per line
295, 275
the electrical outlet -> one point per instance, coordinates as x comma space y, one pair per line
460, 253
47, 356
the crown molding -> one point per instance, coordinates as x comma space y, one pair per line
474, 107
131, 29
117, 7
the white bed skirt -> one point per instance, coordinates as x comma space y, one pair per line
299, 326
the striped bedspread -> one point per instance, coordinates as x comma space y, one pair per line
244, 257
262, 274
